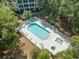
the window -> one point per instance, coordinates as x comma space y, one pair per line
31, 5
20, 6
26, 5
31, 0
58, 40
21, 10
37, 9
32, 9
27, 9
19, 1
25, 1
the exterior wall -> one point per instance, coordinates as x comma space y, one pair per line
21, 5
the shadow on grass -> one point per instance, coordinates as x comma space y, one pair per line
19, 54
16, 53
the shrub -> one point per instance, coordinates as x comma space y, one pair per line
26, 14
34, 53
43, 55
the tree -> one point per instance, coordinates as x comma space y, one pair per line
75, 41
75, 44
34, 53
65, 55
72, 8
48, 7
66, 11
43, 55
8, 23
70, 53
9, 3
26, 14
9, 38
7, 18
37, 54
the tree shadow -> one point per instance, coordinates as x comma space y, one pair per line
19, 53
16, 53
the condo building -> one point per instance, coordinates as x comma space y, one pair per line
21, 5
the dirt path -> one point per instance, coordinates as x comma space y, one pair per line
24, 48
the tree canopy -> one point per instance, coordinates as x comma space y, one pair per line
9, 3
7, 17
34, 53
8, 23
69, 54
72, 53
75, 41
63, 10
26, 14
43, 55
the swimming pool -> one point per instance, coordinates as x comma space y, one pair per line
39, 31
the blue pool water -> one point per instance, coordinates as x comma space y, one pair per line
39, 31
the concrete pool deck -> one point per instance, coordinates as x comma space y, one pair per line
50, 44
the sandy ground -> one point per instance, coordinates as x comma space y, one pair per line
24, 48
